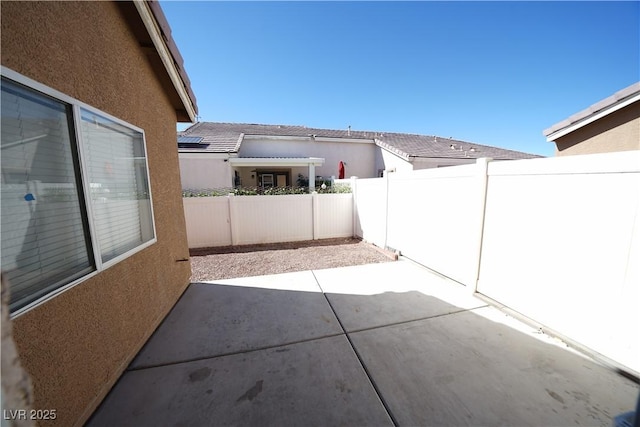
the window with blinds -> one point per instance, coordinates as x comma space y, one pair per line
117, 173
75, 191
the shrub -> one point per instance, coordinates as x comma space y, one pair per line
271, 191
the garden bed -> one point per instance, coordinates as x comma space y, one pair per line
254, 260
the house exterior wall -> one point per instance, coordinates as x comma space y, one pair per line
392, 162
358, 156
386, 160
429, 163
200, 171
247, 178
619, 131
76, 345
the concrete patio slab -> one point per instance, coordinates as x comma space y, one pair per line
212, 320
367, 296
418, 350
317, 382
463, 369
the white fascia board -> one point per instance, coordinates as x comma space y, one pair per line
590, 119
165, 55
239, 143
394, 151
274, 161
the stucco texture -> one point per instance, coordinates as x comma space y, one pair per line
76, 345
619, 131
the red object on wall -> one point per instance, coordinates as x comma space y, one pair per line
340, 170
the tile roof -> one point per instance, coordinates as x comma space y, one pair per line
178, 61
227, 137
600, 106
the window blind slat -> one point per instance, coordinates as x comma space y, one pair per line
45, 228
43, 235
117, 186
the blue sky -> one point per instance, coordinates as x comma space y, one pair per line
494, 73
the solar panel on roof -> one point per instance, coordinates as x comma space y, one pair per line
189, 139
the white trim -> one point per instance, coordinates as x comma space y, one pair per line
239, 143
49, 91
86, 186
592, 118
165, 55
54, 293
76, 107
400, 155
275, 161
46, 298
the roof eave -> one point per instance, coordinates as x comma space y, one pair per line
554, 133
239, 143
393, 150
150, 12
276, 161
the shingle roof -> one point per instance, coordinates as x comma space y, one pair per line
227, 137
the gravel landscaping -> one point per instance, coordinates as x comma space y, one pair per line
254, 260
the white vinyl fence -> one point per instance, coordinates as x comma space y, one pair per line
561, 245
556, 239
244, 220
370, 197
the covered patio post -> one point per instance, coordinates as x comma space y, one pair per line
312, 177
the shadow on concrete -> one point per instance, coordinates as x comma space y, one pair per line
243, 353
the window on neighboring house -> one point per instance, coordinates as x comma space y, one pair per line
273, 178
75, 190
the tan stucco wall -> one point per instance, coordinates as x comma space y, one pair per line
76, 345
619, 131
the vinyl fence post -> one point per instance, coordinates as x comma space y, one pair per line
354, 195
315, 216
482, 181
233, 219
386, 209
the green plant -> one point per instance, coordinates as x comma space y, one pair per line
271, 191
216, 192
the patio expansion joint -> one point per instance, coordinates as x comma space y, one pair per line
419, 319
232, 353
360, 361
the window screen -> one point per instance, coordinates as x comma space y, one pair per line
45, 240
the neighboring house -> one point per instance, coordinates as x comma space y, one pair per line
612, 124
93, 236
219, 155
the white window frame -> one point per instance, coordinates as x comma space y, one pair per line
76, 106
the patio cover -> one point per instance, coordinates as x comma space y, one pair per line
310, 162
